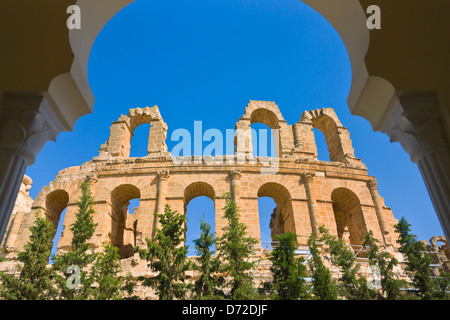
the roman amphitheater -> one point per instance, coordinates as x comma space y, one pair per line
308, 192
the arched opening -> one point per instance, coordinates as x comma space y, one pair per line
57, 235
439, 244
442, 247
139, 141
198, 203
321, 144
56, 205
349, 216
275, 202
265, 133
267, 209
123, 224
198, 208
329, 130
263, 142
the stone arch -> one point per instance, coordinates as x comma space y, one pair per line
197, 189
265, 116
123, 227
435, 247
350, 223
282, 218
217, 182
49, 203
119, 143
337, 137
191, 192
55, 203
256, 182
271, 120
268, 113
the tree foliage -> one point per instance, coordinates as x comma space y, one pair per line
167, 256
351, 286
209, 284
391, 285
35, 279
288, 270
235, 250
418, 265
72, 276
324, 287
109, 285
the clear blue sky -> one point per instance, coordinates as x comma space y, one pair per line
204, 60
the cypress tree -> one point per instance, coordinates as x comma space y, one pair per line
207, 286
390, 284
350, 286
288, 271
235, 250
324, 287
109, 285
167, 256
71, 274
418, 264
35, 279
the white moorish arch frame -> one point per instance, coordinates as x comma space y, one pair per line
407, 117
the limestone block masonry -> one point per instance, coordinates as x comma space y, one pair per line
308, 192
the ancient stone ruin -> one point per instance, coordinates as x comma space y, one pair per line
308, 192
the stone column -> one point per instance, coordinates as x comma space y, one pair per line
243, 140
307, 178
157, 138
163, 176
372, 185
235, 177
419, 129
297, 131
26, 124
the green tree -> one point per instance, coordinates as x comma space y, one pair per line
418, 264
73, 279
108, 284
390, 284
167, 256
324, 287
207, 286
350, 286
235, 250
288, 270
35, 279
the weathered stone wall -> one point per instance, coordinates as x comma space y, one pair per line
338, 193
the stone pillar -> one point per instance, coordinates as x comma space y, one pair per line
420, 131
235, 178
372, 184
243, 140
297, 131
163, 176
307, 178
157, 138
119, 143
26, 124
